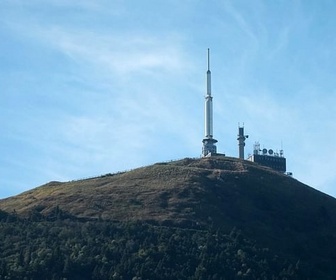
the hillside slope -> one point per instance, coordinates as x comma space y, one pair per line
204, 191
292, 219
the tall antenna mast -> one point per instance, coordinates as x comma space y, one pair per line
209, 146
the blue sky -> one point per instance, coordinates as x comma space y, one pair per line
93, 87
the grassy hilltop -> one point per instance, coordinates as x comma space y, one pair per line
208, 218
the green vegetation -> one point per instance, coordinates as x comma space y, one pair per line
39, 248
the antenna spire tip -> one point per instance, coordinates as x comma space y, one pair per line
208, 59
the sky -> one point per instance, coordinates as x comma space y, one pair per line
95, 87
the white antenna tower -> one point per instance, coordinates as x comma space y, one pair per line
209, 146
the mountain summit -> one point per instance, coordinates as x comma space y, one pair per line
223, 194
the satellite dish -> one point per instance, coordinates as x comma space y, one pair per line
270, 151
264, 151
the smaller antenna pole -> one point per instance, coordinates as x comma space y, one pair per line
241, 141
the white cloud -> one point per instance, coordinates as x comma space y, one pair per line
120, 53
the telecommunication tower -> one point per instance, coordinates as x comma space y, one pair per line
241, 141
209, 142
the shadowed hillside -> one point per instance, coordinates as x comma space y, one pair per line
294, 221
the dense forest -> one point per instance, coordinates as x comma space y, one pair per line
61, 247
